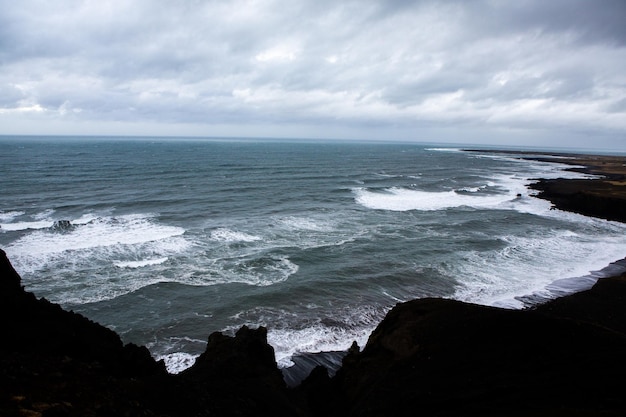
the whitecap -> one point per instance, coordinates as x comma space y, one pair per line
402, 199
8, 216
44, 214
19, 226
306, 224
228, 235
92, 245
141, 263
444, 149
100, 232
472, 189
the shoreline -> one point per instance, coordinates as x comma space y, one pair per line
602, 197
611, 173
428, 356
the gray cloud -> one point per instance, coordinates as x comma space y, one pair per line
347, 65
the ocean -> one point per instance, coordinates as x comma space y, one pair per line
168, 240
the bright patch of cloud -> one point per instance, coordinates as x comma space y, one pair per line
280, 53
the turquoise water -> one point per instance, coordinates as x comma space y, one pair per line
166, 241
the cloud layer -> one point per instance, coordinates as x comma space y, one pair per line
315, 68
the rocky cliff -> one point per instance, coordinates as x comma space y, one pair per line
447, 358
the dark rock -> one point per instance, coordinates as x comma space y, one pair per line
305, 363
597, 198
50, 358
62, 225
10, 281
247, 355
427, 357
445, 357
239, 370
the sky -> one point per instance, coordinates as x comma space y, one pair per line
526, 72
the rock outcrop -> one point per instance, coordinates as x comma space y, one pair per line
448, 358
431, 357
591, 198
58, 363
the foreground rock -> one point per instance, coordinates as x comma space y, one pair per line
58, 363
447, 358
429, 357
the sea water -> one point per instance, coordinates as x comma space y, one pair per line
165, 241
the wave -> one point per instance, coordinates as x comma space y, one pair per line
444, 149
44, 214
262, 271
8, 216
402, 199
313, 331
41, 220
32, 225
530, 264
307, 224
82, 251
508, 190
144, 252
227, 235
96, 232
142, 263
289, 342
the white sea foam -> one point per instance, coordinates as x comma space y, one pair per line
8, 216
316, 338
32, 225
254, 269
39, 221
44, 214
444, 149
402, 199
307, 224
512, 190
81, 254
473, 189
177, 362
297, 335
286, 344
101, 232
264, 271
528, 264
141, 263
227, 235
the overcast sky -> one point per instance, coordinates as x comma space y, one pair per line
536, 72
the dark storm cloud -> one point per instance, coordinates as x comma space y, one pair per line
315, 63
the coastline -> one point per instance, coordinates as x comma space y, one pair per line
602, 196
607, 187
427, 356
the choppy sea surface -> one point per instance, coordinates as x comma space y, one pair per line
166, 241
